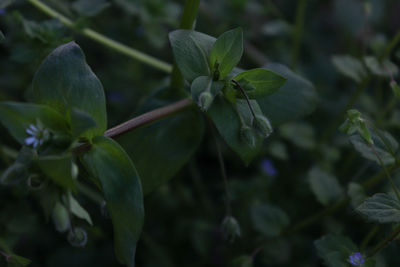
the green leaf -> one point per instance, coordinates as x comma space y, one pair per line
167, 144
381, 208
59, 169
17, 117
350, 67
384, 143
385, 69
64, 81
268, 219
295, 99
83, 122
90, 8
202, 84
18, 261
226, 119
78, 210
300, 134
324, 185
19, 170
111, 166
227, 51
335, 250
259, 82
191, 52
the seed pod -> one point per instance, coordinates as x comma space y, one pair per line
262, 126
61, 218
205, 100
77, 237
230, 228
248, 135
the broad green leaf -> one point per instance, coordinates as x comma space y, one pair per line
78, 210
64, 81
227, 51
191, 52
259, 83
111, 166
226, 119
90, 8
17, 117
167, 144
350, 67
382, 208
385, 69
324, 185
335, 250
83, 122
59, 169
268, 219
384, 143
356, 193
295, 99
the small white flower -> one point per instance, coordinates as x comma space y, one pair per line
37, 135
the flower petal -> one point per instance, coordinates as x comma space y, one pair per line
30, 140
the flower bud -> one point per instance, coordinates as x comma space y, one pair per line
74, 171
205, 100
262, 126
61, 218
230, 228
77, 237
248, 135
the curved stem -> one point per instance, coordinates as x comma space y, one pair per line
119, 47
246, 97
148, 117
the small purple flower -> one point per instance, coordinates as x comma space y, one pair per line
2, 11
356, 259
268, 167
115, 96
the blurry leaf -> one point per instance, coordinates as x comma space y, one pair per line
349, 14
381, 208
262, 82
335, 250
243, 261
2, 38
385, 69
64, 81
356, 193
384, 145
90, 8
78, 210
276, 252
111, 166
59, 169
226, 119
191, 52
18, 261
167, 144
324, 185
268, 219
202, 84
295, 99
299, 133
17, 117
276, 28
278, 150
83, 122
227, 51
5, 3
350, 67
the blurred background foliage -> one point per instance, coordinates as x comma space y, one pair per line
304, 167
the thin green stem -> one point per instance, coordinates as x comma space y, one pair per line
392, 44
394, 187
110, 43
381, 245
298, 32
187, 23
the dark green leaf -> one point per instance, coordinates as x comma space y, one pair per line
59, 169
83, 122
78, 210
385, 69
226, 119
382, 208
191, 52
268, 219
324, 185
64, 81
259, 82
299, 133
17, 117
295, 99
227, 51
335, 250
111, 166
90, 8
167, 144
350, 67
